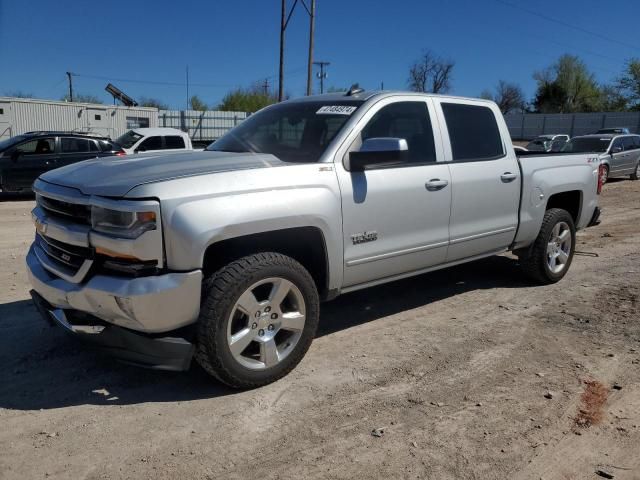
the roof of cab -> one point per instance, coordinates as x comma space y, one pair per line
158, 131
368, 94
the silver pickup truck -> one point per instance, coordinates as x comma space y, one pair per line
224, 255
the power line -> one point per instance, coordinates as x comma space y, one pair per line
175, 84
568, 25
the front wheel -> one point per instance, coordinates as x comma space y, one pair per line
258, 317
550, 256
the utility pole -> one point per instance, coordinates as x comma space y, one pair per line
265, 87
69, 74
188, 100
322, 74
283, 26
312, 18
284, 22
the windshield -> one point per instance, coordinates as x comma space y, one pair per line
10, 142
539, 145
587, 145
293, 132
129, 139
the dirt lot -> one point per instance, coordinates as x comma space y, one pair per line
455, 366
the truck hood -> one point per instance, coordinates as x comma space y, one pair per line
115, 176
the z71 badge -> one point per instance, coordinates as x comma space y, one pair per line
363, 237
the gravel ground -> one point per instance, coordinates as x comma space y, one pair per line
468, 373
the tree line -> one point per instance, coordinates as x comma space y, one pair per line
566, 86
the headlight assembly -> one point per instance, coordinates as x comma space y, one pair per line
124, 224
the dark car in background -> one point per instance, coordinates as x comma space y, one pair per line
25, 157
547, 143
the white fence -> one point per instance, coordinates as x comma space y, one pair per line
201, 126
529, 125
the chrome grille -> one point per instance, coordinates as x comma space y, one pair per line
70, 257
75, 212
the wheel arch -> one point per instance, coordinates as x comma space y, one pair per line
571, 201
307, 245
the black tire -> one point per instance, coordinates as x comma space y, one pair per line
634, 175
220, 293
534, 261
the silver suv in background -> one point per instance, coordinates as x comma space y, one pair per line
547, 143
620, 154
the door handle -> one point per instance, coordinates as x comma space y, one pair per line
436, 184
507, 177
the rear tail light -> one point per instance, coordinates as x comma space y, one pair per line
121, 153
600, 177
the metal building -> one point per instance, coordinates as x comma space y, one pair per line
20, 115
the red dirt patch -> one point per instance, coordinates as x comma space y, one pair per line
592, 404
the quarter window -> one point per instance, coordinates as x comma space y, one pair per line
473, 132
408, 120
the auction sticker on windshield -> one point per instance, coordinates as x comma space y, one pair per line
336, 110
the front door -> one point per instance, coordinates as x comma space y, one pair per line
28, 160
485, 176
393, 220
618, 155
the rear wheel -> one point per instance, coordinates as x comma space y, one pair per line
550, 256
258, 318
636, 173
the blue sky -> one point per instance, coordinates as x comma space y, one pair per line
235, 43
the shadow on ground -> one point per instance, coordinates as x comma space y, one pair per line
45, 368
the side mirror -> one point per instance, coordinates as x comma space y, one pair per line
378, 152
616, 150
15, 155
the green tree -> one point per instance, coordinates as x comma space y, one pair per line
629, 84
153, 102
613, 99
567, 87
82, 98
197, 104
249, 99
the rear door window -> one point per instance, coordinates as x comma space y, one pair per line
473, 132
151, 143
173, 141
74, 145
629, 143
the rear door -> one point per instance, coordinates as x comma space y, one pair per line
74, 149
485, 176
29, 160
150, 144
631, 152
394, 220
